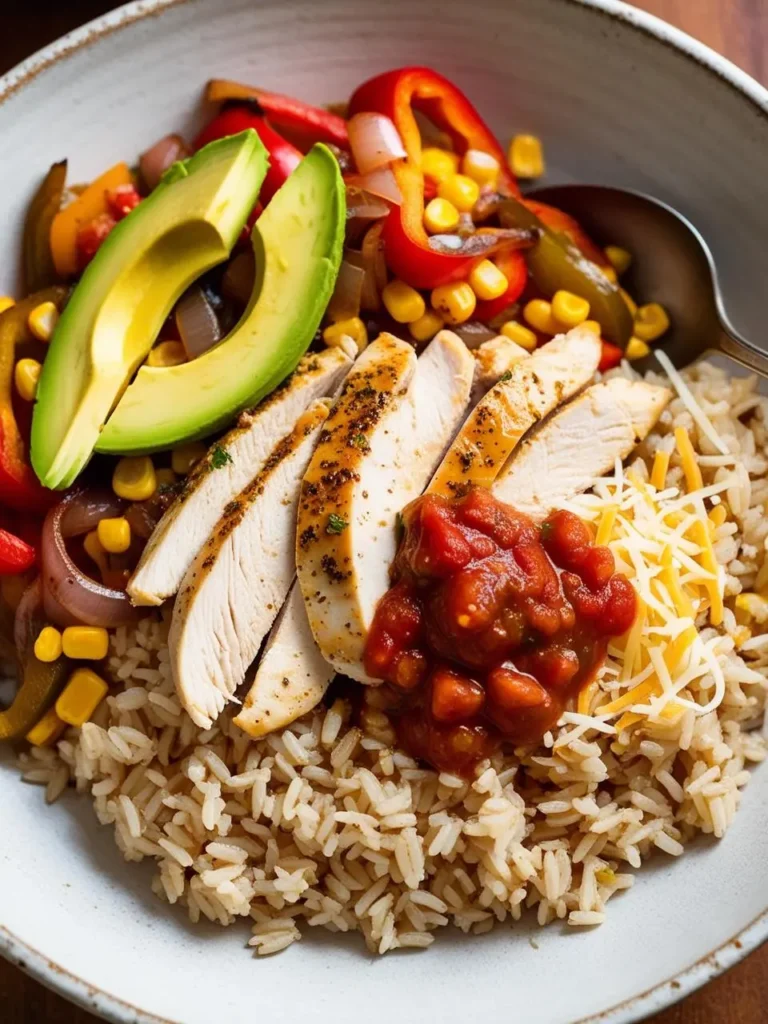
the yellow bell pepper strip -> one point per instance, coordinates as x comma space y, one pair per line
19, 488
39, 269
40, 686
89, 206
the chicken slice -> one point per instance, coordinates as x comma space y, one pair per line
232, 592
531, 389
578, 444
492, 360
188, 522
381, 447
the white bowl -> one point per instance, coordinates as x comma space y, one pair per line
619, 98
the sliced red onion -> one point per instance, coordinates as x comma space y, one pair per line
374, 141
69, 596
156, 161
379, 183
346, 299
484, 241
237, 282
196, 322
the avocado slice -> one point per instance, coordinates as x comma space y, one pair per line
298, 245
186, 226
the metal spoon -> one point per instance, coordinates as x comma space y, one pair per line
672, 264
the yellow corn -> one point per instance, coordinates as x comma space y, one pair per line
651, 321
167, 353
6, 302
439, 164
426, 327
568, 309
89, 643
114, 534
42, 320
481, 167
440, 216
185, 456
636, 349
619, 258
48, 644
402, 302
95, 550
605, 876
47, 730
134, 478
538, 313
659, 470
26, 375
631, 304
526, 156
487, 281
520, 334
81, 696
593, 325
454, 302
610, 273
460, 190
353, 328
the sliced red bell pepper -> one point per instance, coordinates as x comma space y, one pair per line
513, 266
397, 94
610, 356
316, 124
235, 117
15, 554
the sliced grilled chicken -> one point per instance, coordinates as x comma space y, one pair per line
530, 390
217, 479
292, 676
579, 443
378, 453
492, 360
232, 592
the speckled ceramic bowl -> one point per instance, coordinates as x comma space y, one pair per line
620, 98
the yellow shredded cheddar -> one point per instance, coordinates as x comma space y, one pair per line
699, 534
606, 524
659, 470
693, 480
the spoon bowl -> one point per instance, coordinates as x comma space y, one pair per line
672, 264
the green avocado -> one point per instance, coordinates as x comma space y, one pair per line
298, 244
186, 226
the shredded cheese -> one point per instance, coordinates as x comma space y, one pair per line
693, 478
659, 470
693, 407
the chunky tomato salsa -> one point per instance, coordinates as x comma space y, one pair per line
493, 623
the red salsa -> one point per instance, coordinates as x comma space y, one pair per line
493, 623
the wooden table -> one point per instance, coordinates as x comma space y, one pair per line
737, 28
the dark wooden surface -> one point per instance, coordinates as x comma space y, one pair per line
737, 28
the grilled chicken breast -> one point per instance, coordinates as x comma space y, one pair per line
531, 389
492, 360
234, 589
580, 443
207, 490
382, 443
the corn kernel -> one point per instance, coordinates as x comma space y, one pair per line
481, 167
89, 643
80, 697
134, 478
426, 327
353, 328
167, 353
114, 534
47, 730
487, 281
568, 309
636, 349
526, 156
6, 302
630, 302
95, 551
185, 456
620, 258
610, 272
48, 644
42, 320
520, 334
538, 313
165, 477
402, 302
440, 216
26, 375
454, 302
460, 190
438, 163
651, 321
593, 325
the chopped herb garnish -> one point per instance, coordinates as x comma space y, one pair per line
220, 457
361, 441
505, 377
336, 523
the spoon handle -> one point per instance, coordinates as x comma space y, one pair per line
743, 352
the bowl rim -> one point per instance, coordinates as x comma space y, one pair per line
665, 993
